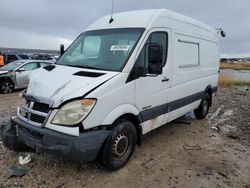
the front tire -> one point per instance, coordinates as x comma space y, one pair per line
6, 87
119, 146
202, 111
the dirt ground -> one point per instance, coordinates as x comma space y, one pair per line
187, 153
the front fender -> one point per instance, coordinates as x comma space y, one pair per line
118, 112
9, 77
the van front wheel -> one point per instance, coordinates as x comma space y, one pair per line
119, 146
202, 111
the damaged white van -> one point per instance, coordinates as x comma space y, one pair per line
120, 79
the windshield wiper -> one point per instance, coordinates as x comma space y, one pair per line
90, 67
78, 66
85, 66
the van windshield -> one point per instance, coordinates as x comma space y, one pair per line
106, 49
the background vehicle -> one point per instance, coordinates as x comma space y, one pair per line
15, 75
10, 57
47, 57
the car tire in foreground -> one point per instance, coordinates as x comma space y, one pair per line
119, 146
6, 87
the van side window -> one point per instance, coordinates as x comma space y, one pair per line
189, 48
142, 61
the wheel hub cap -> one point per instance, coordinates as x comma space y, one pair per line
120, 146
7, 88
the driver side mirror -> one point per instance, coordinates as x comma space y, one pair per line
20, 70
155, 54
62, 49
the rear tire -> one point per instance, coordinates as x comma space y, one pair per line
119, 146
6, 87
203, 109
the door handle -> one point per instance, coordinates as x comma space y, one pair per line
165, 79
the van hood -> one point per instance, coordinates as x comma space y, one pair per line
61, 83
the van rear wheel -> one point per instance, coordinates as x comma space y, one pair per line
119, 146
202, 111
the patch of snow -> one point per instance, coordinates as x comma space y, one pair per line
24, 160
228, 113
216, 113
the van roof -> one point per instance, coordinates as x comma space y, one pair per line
147, 19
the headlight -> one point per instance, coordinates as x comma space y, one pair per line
73, 112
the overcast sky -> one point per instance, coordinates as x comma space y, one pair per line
44, 24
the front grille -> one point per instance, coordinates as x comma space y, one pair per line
35, 112
42, 107
37, 118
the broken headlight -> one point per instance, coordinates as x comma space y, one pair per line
73, 112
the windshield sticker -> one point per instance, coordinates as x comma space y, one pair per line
119, 48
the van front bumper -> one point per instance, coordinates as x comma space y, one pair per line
84, 147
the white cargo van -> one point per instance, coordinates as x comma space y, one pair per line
119, 80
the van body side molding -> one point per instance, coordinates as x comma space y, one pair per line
156, 111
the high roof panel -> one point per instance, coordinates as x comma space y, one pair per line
144, 18
138, 18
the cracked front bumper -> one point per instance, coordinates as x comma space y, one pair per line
74, 148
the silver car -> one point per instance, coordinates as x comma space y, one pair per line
15, 75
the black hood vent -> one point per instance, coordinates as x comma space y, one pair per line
89, 74
49, 67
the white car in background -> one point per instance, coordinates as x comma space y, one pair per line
15, 75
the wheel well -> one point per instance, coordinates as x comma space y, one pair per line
6, 79
132, 118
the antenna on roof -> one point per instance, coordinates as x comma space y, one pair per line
112, 11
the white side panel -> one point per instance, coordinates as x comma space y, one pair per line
119, 111
110, 95
153, 124
190, 76
209, 55
192, 87
209, 35
181, 111
181, 25
160, 120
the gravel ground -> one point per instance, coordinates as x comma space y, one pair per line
187, 153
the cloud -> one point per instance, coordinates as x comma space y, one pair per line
47, 23
25, 39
